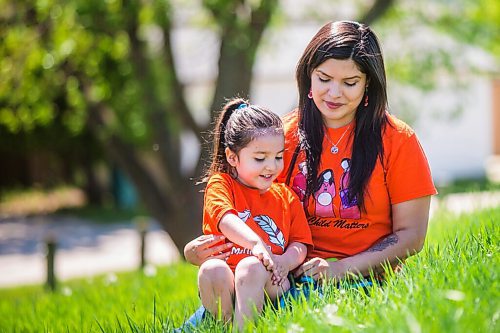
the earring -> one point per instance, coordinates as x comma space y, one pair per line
366, 100
310, 95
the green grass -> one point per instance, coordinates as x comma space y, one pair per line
468, 185
451, 286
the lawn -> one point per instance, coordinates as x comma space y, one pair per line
451, 286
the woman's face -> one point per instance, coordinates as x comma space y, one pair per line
337, 87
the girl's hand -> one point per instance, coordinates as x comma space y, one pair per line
280, 271
202, 248
262, 253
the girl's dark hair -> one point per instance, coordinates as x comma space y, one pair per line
238, 123
344, 40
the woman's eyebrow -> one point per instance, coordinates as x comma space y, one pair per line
346, 78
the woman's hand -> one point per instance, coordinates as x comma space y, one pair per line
319, 268
202, 248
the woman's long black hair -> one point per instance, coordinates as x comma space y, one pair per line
344, 40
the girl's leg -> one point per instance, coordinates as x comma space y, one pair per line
275, 291
250, 278
216, 285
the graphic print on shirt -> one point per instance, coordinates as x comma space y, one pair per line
244, 215
300, 182
271, 229
324, 194
349, 208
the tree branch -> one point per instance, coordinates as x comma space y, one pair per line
179, 105
377, 10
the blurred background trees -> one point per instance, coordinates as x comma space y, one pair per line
91, 84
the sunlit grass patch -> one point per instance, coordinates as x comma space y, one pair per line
451, 286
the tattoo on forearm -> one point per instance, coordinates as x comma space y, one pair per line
384, 243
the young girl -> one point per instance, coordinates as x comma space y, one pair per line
264, 220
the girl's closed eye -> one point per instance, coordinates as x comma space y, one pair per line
351, 84
259, 159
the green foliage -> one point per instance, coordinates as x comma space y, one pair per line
433, 49
50, 48
478, 22
451, 286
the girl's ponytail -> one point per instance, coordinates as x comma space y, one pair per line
219, 163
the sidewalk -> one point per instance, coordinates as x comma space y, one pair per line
84, 249
87, 249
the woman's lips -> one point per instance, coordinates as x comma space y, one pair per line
332, 105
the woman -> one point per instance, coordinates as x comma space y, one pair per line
342, 114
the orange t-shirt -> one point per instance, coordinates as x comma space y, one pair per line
276, 215
339, 229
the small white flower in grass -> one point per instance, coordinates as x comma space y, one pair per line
111, 278
150, 270
66, 291
489, 255
295, 328
329, 314
330, 308
454, 295
334, 320
361, 326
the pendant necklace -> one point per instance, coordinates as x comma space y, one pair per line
335, 148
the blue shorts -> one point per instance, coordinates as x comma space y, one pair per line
302, 288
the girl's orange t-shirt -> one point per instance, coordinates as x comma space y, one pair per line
276, 215
339, 229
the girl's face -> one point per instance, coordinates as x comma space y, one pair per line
260, 162
337, 87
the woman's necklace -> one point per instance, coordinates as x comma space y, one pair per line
335, 148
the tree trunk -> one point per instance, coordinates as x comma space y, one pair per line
377, 10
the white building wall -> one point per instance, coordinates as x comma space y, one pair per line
459, 147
